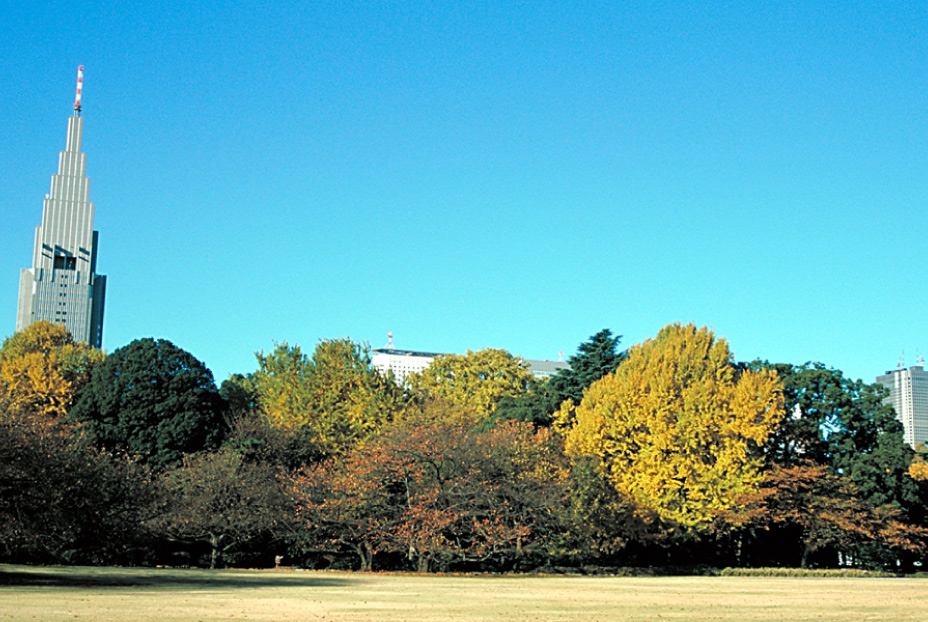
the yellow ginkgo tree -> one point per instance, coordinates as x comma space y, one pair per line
474, 382
42, 369
334, 398
675, 428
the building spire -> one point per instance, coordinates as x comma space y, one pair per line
80, 86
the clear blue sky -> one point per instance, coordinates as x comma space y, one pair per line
506, 174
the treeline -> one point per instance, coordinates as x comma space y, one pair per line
669, 453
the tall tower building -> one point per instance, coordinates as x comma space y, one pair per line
908, 393
63, 286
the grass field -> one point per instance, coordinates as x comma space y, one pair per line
139, 595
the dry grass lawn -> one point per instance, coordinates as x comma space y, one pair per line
139, 595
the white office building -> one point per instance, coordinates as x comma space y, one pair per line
908, 393
405, 362
62, 286
400, 362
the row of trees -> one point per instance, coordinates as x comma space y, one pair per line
667, 453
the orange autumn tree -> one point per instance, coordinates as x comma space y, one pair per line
436, 493
825, 513
674, 429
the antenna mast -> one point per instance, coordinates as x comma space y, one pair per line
80, 86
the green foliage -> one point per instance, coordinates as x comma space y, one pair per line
154, 401
845, 425
240, 393
535, 406
257, 440
598, 520
595, 358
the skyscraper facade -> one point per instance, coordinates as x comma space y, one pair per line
63, 286
908, 393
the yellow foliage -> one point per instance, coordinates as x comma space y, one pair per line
919, 471
474, 382
33, 384
674, 426
335, 398
42, 368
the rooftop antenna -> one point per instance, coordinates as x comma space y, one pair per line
901, 363
80, 86
919, 359
560, 356
390, 340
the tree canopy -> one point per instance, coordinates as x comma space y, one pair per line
825, 515
476, 381
65, 501
333, 399
595, 358
42, 369
844, 425
439, 493
153, 401
675, 426
223, 500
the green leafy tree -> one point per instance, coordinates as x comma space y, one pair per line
844, 425
153, 401
598, 521
595, 358
475, 382
675, 427
257, 440
537, 405
331, 400
240, 393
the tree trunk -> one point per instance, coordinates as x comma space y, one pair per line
739, 548
366, 555
424, 563
806, 554
215, 557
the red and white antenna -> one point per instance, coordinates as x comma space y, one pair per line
390, 340
80, 86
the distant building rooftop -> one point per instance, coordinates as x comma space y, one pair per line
404, 362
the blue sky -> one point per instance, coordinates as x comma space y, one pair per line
485, 174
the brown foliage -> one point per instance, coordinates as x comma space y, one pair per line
830, 513
436, 493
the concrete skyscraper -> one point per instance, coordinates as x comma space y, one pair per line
63, 286
908, 393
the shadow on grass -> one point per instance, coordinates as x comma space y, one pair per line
163, 578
